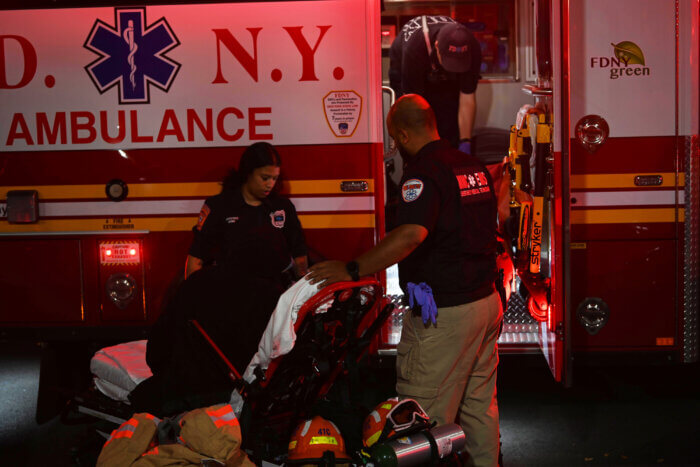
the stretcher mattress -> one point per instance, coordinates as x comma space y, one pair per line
117, 370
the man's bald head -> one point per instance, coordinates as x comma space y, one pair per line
411, 123
412, 113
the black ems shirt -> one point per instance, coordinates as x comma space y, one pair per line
450, 194
261, 239
412, 71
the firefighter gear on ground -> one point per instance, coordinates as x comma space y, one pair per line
209, 433
313, 440
391, 418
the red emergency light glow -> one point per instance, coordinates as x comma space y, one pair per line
386, 33
120, 252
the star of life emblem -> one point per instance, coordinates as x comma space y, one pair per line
132, 55
411, 189
278, 218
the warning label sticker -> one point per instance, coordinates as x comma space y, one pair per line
343, 110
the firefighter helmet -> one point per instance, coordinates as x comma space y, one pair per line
317, 440
392, 417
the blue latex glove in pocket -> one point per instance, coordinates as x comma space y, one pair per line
422, 295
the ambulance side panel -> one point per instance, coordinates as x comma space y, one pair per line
123, 120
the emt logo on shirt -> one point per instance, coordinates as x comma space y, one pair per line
472, 184
411, 189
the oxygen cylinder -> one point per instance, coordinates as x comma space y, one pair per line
419, 449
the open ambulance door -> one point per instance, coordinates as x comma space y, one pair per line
630, 96
538, 225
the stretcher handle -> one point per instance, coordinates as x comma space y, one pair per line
235, 375
326, 292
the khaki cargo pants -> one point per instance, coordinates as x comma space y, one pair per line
450, 369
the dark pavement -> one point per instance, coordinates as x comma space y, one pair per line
613, 415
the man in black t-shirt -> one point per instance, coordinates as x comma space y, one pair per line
446, 249
439, 59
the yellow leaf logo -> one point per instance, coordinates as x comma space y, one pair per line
629, 52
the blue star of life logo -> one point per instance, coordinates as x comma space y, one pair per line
132, 56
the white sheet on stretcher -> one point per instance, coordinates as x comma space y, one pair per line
120, 368
278, 338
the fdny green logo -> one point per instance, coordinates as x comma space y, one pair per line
629, 53
627, 60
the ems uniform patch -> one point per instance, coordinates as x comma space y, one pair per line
203, 216
411, 189
278, 218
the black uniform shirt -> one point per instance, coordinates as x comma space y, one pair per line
262, 239
411, 70
450, 194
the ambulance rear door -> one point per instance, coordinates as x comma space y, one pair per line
627, 126
549, 95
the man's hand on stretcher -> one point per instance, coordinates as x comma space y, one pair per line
327, 273
398, 244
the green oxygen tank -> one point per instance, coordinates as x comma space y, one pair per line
419, 449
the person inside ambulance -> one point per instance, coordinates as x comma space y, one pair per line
439, 59
248, 226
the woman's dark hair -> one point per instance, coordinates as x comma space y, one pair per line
255, 156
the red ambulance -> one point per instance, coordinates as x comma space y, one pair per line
116, 122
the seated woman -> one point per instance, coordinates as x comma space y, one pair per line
248, 247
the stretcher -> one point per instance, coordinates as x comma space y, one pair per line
310, 339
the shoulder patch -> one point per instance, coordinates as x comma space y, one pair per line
411, 189
203, 214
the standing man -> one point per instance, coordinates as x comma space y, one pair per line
445, 246
439, 59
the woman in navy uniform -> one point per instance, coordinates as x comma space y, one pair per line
248, 246
248, 226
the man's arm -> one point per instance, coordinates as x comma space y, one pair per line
393, 248
192, 264
467, 114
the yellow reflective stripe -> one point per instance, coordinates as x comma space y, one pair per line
177, 190
136, 190
324, 440
60, 191
373, 439
623, 180
174, 224
309, 187
156, 224
337, 221
292, 445
386, 406
626, 216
